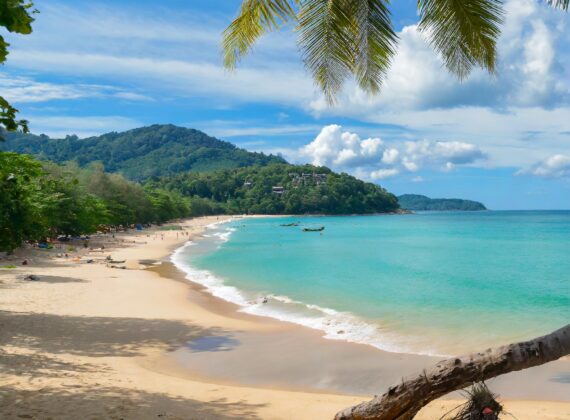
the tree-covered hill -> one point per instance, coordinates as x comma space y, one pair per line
416, 202
141, 153
282, 189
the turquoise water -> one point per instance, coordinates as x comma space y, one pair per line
428, 283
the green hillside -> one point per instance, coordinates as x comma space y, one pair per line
141, 153
282, 189
416, 202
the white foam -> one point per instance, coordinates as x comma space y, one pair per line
335, 324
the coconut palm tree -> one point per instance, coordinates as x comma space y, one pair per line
343, 38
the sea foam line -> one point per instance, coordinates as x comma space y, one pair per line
336, 325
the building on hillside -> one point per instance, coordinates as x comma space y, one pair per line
308, 179
278, 190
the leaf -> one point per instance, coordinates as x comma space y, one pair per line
559, 4
3, 49
327, 43
256, 17
15, 16
376, 43
464, 32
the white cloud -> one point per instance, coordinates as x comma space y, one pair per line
556, 166
390, 156
418, 179
19, 89
444, 154
172, 53
337, 148
372, 159
383, 173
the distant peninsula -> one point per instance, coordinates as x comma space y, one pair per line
417, 202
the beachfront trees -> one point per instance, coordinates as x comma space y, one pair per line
40, 200
405, 400
15, 16
342, 38
21, 214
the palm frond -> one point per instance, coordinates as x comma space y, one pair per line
559, 4
464, 32
325, 28
376, 43
255, 18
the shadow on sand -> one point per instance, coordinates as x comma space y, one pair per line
116, 403
101, 336
49, 339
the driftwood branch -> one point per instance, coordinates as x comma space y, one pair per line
403, 401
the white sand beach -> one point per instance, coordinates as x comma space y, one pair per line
85, 340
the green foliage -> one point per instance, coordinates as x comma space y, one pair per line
464, 32
422, 203
255, 18
39, 201
15, 16
142, 153
21, 211
250, 191
340, 38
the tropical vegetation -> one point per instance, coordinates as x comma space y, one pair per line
282, 189
141, 153
41, 200
416, 202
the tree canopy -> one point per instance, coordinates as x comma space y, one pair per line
282, 189
141, 153
42, 200
422, 203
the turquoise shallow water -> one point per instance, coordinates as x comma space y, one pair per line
428, 283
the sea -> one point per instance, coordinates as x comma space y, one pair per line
429, 283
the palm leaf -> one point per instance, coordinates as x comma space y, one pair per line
325, 29
559, 4
376, 42
464, 32
255, 18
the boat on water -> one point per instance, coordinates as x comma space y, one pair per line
290, 224
320, 229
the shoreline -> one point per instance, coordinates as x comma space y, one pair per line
89, 340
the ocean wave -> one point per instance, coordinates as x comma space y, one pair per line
335, 325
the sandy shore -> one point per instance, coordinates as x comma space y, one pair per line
86, 340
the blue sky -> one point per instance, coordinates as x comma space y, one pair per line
99, 66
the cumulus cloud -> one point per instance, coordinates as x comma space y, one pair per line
372, 158
555, 166
335, 147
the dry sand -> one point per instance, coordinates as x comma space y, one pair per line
90, 341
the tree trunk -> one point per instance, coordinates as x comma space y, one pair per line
403, 401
